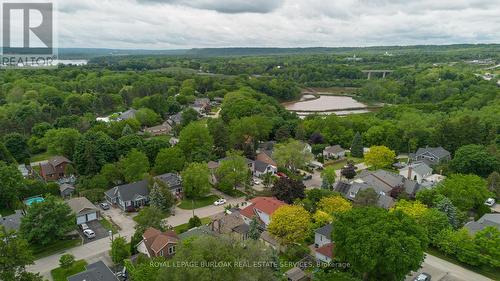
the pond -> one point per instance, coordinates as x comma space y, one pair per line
326, 103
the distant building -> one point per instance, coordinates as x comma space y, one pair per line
54, 169
333, 152
97, 271
163, 129
431, 155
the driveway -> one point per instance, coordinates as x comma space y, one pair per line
441, 270
99, 230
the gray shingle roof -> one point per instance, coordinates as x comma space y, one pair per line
483, 222
325, 230
129, 191
437, 151
97, 271
334, 149
260, 166
171, 179
79, 204
12, 222
129, 114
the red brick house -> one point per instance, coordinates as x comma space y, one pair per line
54, 168
156, 243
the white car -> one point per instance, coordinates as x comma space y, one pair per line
89, 233
219, 202
490, 202
84, 226
423, 277
256, 181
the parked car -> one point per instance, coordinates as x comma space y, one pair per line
423, 277
307, 177
256, 181
84, 226
219, 202
490, 202
89, 233
104, 206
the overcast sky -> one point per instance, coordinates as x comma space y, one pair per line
171, 24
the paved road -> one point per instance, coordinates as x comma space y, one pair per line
442, 270
99, 249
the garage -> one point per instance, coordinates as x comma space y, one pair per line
84, 210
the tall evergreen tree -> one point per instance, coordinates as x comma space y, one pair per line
357, 146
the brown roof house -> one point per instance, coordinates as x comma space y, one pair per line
163, 129
156, 243
84, 210
55, 168
231, 224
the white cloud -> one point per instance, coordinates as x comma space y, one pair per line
161, 24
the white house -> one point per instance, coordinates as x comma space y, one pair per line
417, 171
333, 152
262, 208
323, 236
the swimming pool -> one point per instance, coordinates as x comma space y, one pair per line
32, 200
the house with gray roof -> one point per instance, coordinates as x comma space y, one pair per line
485, 221
129, 114
12, 222
333, 152
84, 210
323, 235
97, 271
130, 196
66, 190
417, 171
431, 155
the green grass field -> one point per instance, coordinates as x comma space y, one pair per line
61, 274
41, 156
109, 225
187, 204
56, 247
337, 165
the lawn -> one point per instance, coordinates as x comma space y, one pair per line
184, 227
340, 164
56, 247
61, 274
187, 204
109, 225
41, 156
486, 271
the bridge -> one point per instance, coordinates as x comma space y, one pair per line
383, 71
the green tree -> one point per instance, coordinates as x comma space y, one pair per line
161, 196
348, 171
92, 151
119, 250
377, 253
15, 255
196, 142
465, 191
153, 146
17, 146
134, 166
189, 115
232, 172
474, 159
61, 141
147, 117
487, 243
219, 250
47, 221
220, 134
11, 183
446, 206
113, 174
254, 229
328, 175
5, 155
66, 260
168, 160
194, 222
142, 269
366, 198
196, 180
357, 146
149, 217
494, 184
292, 154
380, 157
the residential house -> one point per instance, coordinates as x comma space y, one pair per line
333, 152
270, 241
173, 181
130, 196
97, 271
230, 224
325, 252
417, 171
175, 119
156, 243
163, 129
323, 235
262, 208
54, 169
201, 105
129, 114
383, 182
260, 168
485, 221
266, 157
84, 209
12, 222
66, 190
431, 155
202, 230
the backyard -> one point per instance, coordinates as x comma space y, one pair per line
189, 204
185, 227
61, 274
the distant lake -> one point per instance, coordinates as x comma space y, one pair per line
326, 103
